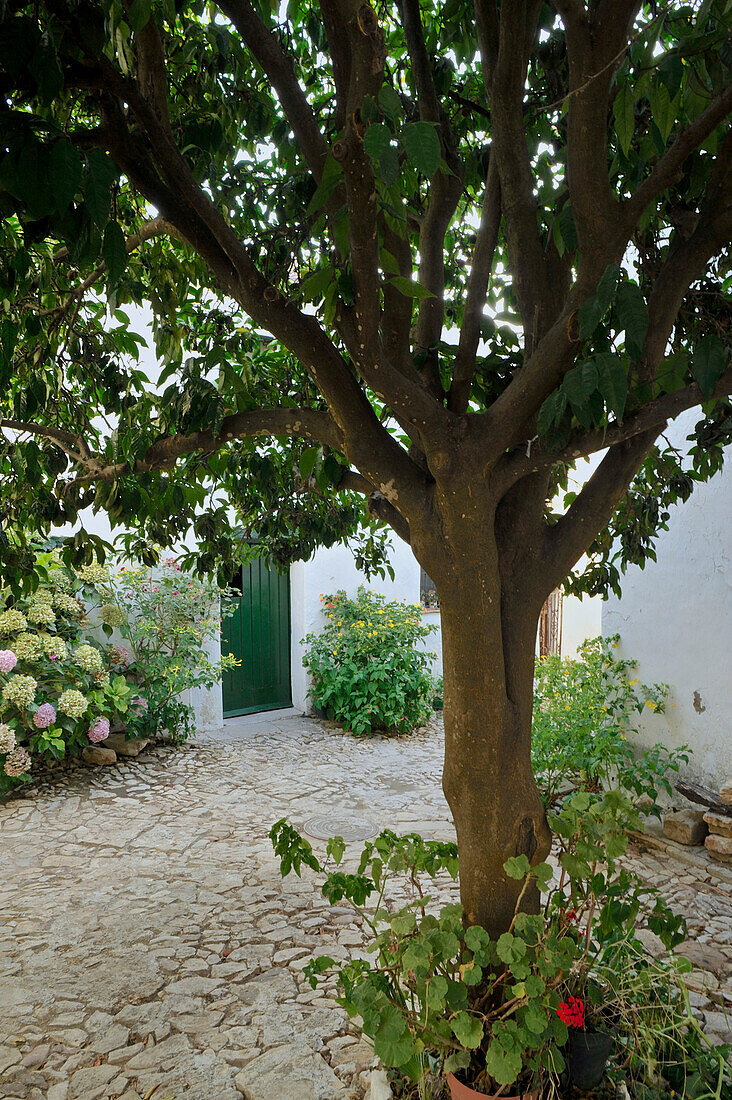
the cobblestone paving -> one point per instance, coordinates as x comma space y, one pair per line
146, 938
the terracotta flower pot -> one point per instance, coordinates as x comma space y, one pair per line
459, 1091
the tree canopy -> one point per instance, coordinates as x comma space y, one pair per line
369, 236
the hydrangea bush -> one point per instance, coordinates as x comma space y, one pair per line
58, 691
367, 669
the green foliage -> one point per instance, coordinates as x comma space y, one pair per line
585, 720
367, 669
72, 279
165, 616
439, 996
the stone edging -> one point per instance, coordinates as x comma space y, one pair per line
694, 857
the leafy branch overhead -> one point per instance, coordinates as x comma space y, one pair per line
390, 254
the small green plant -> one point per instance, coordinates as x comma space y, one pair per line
440, 997
367, 669
585, 719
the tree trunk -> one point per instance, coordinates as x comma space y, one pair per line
488, 641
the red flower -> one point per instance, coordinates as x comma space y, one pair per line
572, 1012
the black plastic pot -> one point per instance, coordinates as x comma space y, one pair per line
588, 1055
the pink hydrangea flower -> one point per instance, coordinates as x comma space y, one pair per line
99, 731
8, 660
44, 717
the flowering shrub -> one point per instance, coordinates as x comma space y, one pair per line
367, 670
585, 718
55, 686
165, 617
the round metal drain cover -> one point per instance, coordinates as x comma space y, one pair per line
323, 828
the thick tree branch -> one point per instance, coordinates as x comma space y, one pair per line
377, 503
478, 281
667, 169
505, 85
567, 540
594, 54
314, 424
655, 415
280, 71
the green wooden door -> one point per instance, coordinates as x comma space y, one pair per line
258, 633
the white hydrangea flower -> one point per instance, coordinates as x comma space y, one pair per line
63, 602
28, 647
17, 762
72, 702
54, 646
7, 738
12, 620
43, 596
20, 690
111, 614
88, 658
92, 574
41, 613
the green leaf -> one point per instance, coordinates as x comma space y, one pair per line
46, 69
579, 385
552, 411
504, 1065
114, 250
613, 382
409, 288
308, 458
422, 146
624, 114
313, 288
336, 845
517, 867
65, 173
566, 230
332, 175
377, 140
468, 1030
662, 109
631, 314
393, 1042
139, 14
389, 166
100, 175
607, 286
708, 362
390, 103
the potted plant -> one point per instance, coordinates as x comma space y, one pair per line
588, 1045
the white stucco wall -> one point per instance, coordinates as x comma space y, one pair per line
581, 619
675, 617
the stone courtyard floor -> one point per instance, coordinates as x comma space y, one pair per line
150, 949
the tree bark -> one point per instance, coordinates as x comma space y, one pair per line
488, 641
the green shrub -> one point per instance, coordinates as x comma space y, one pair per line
585, 719
367, 670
